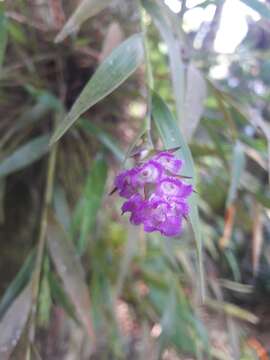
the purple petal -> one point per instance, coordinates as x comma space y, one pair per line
169, 162
124, 183
156, 215
172, 187
172, 227
181, 208
137, 206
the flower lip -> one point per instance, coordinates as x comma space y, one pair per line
172, 187
150, 172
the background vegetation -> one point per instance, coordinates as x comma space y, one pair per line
78, 281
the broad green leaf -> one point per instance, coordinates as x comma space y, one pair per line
238, 166
3, 36
70, 270
172, 40
85, 10
13, 322
195, 96
104, 138
260, 7
115, 69
17, 284
25, 155
172, 137
91, 200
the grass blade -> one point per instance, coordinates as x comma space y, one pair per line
115, 69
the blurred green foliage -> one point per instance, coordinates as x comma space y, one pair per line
119, 293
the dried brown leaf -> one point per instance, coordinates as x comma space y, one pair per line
228, 226
113, 38
257, 236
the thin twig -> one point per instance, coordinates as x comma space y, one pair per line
149, 75
24, 20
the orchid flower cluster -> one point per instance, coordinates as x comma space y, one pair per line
156, 194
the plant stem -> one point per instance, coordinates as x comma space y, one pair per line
149, 74
42, 238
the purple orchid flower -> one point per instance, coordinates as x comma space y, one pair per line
156, 197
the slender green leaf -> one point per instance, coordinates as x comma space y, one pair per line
261, 8
104, 138
3, 36
233, 310
238, 166
115, 69
85, 10
44, 298
25, 155
14, 321
61, 207
60, 296
172, 137
175, 314
69, 268
174, 322
172, 40
91, 200
28, 118
2, 200
17, 284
